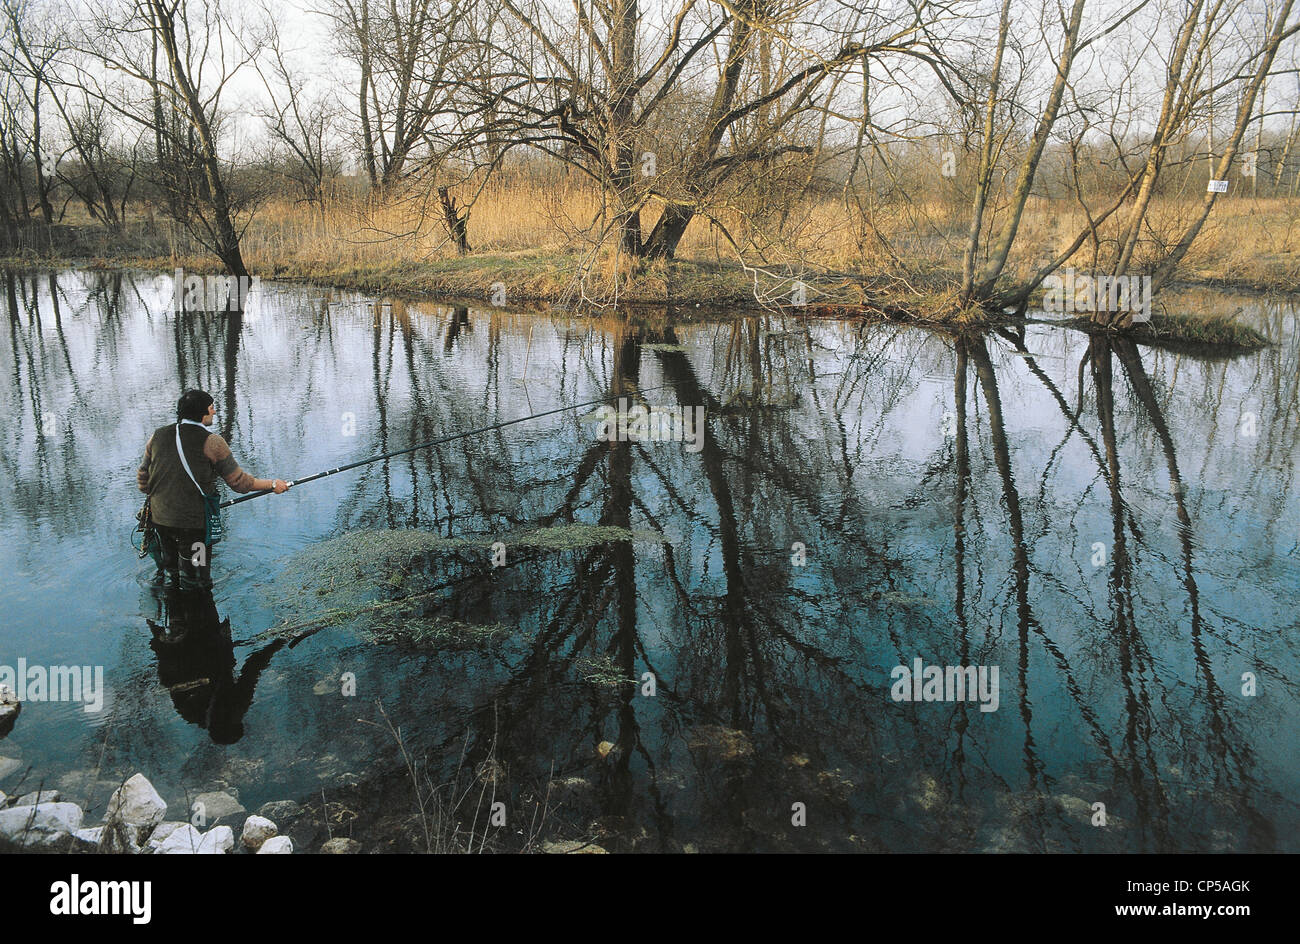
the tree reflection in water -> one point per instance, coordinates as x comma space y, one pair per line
949, 491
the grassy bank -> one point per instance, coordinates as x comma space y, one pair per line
533, 242
546, 276
685, 286
1192, 332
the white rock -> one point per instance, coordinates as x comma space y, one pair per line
39, 796
216, 841
87, 840
257, 830
9, 709
38, 821
216, 806
276, 845
136, 803
161, 832
184, 840
8, 765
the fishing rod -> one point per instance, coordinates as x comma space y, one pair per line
437, 442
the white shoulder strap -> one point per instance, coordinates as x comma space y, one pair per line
180, 451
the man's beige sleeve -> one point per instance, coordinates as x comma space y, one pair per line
142, 473
219, 454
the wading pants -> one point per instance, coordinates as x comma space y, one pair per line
179, 554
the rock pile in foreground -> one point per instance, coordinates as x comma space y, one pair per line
135, 822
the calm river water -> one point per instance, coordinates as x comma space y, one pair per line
1113, 528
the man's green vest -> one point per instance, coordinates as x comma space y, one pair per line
174, 502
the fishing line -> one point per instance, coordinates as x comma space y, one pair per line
439, 442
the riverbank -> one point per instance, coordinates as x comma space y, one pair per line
134, 820
511, 278
550, 279
537, 240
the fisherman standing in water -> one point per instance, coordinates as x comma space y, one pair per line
180, 466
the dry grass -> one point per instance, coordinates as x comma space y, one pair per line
539, 238
524, 221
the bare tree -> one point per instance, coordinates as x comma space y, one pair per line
28, 62
14, 206
104, 173
1200, 35
720, 86
405, 55
99, 174
1276, 31
177, 57
303, 127
981, 285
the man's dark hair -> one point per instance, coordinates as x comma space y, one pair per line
193, 405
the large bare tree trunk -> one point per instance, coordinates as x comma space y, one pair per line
983, 288
621, 150
1171, 107
668, 232
363, 95
225, 237
988, 158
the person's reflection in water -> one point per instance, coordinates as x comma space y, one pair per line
196, 663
